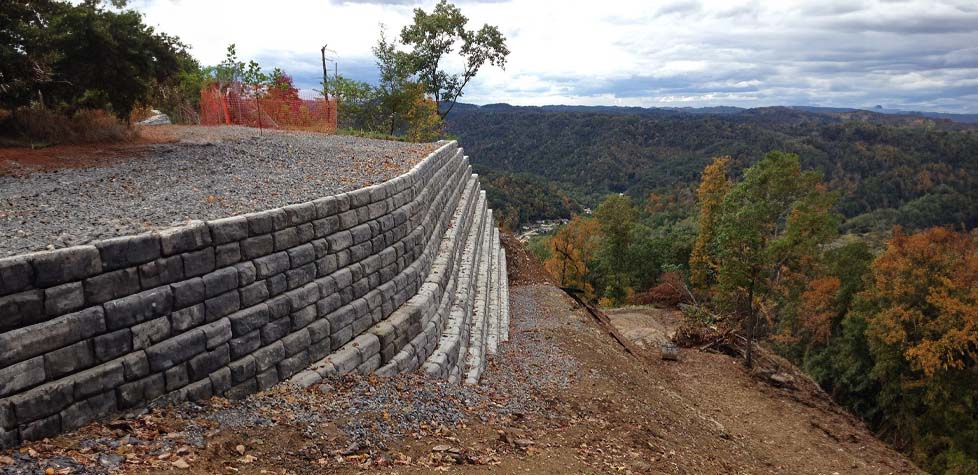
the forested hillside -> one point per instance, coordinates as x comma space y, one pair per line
911, 171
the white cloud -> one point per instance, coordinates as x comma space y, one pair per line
914, 54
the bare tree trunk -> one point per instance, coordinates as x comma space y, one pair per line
749, 360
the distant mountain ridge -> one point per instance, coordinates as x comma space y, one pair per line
721, 110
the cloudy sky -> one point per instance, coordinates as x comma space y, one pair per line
915, 55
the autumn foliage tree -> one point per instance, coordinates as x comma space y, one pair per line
710, 194
573, 248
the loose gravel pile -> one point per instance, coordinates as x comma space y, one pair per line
225, 172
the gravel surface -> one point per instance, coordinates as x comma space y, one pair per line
211, 173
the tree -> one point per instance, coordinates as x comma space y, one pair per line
573, 247
435, 35
771, 223
70, 57
711, 192
922, 328
395, 78
617, 218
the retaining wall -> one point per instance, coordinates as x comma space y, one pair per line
387, 279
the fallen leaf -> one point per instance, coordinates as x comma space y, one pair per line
181, 463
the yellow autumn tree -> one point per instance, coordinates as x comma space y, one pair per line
573, 247
712, 190
926, 296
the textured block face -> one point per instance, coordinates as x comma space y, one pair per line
128, 251
238, 304
66, 265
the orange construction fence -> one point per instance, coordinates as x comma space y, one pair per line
233, 104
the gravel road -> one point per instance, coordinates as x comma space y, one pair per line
225, 172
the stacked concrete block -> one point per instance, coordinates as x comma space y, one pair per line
369, 280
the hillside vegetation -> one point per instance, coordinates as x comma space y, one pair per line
840, 242
890, 170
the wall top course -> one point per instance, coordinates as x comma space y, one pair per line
45, 269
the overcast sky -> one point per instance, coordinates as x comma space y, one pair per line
916, 55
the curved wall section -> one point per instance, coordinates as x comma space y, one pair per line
403, 275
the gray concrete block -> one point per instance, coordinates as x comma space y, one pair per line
20, 376
202, 365
279, 307
272, 264
305, 232
261, 222
243, 369
360, 233
43, 400
303, 317
150, 332
328, 304
65, 265
140, 391
112, 345
319, 330
187, 318
257, 246
304, 296
244, 345
16, 274
190, 237
339, 240
277, 284
296, 342
268, 356
275, 330
221, 380
176, 350
249, 319
292, 365
161, 272
326, 226
23, 309
221, 306
247, 274
227, 254
318, 351
176, 377
187, 293
88, 410
69, 359
42, 429
136, 308
110, 285
135, 365
99, 379
345, 360
325, 206
341, 336
228, 230
301, 255
197, 263
301, 276
300, 213
23, 343
253, 294
7, 418
326, 265
128, 251
267, 379
286, 238
217, 333
220, 281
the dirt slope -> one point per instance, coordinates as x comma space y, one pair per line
561, 397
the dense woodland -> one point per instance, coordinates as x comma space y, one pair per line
845, 244
909, 171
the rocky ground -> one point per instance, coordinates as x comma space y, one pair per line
64, 196
561, 397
